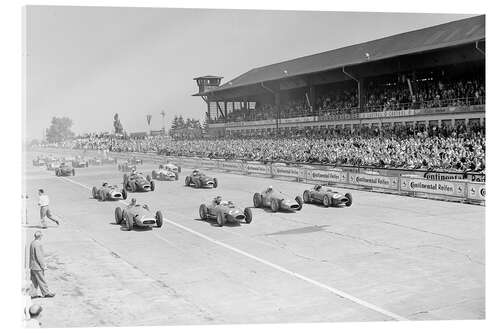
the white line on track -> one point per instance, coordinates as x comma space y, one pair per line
335, 291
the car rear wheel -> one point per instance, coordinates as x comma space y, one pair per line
148, 178
299, 201
248, 215
179, 168
153, 174
197, 183
349, 198
124, 194
102, 196
176, 176
326, 201
203, 211
152, 185
118, 215
257, 200
275, 205
187, 181
215, 183
221, 220
159, 219
94, 192
307, 196
132, 186
73, 172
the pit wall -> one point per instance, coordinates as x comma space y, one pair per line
466, 191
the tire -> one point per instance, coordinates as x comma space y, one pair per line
307, 196
94, 192
275, 205
248, 215
73, 172
102, 196
132, 186
299, 201
57, 173
221, 220
129, 222
125, 179
197, 183
124, 194
176, 176
148, 178
118, 215
203, 212
159, 219
179, 168
326, 201
257, 200
152, 185
348, 196
187, 181
153, 174
215, 183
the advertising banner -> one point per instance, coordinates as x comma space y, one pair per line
476, 191
327, 176
257, 168
285, 171
374, 180
231, 165
440, 187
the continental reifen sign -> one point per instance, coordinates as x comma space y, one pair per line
327, 176
439, 187
373, 180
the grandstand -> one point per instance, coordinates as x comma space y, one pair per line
427, 78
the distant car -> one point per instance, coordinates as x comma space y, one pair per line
52, 166
139, 215
276, 200
163, 173
109, 192
126, 167
65, 169
95, 161
39, 162
172, 167
137, 182
80, 163
199, 179
225, 211
327, 196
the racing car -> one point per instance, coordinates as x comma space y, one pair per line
126, 167
327, 196
224, 211
139, 215
65, 169
39, 161
137, 182
172, 167
79, 162
134, 161
164, 173
276, 200
199, 179
52, 166
109, 192
95, 161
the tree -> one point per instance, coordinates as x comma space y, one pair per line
59, 130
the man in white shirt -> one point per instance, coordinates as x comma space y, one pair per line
43, 202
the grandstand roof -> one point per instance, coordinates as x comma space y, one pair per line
436, 37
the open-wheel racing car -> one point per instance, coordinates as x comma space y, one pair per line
109, 192
276, 200
172, 167
137, 182
327, 196
224, 211
65, 169
199, 179
39, 161
134, 161
164, 173
138, 215
80, 162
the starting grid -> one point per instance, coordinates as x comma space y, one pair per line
456, 190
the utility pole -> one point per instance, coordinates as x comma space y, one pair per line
163, 116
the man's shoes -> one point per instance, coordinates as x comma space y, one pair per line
49, 295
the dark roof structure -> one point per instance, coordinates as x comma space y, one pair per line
436, 37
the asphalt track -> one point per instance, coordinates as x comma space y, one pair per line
385, 258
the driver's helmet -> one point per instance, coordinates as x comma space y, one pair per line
196, 171
317, 187
133, 202
218, 199
269, 189
161, 166
104, 184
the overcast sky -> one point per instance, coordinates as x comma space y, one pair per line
88, 63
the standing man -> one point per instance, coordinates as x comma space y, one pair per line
43, 202
38, 266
